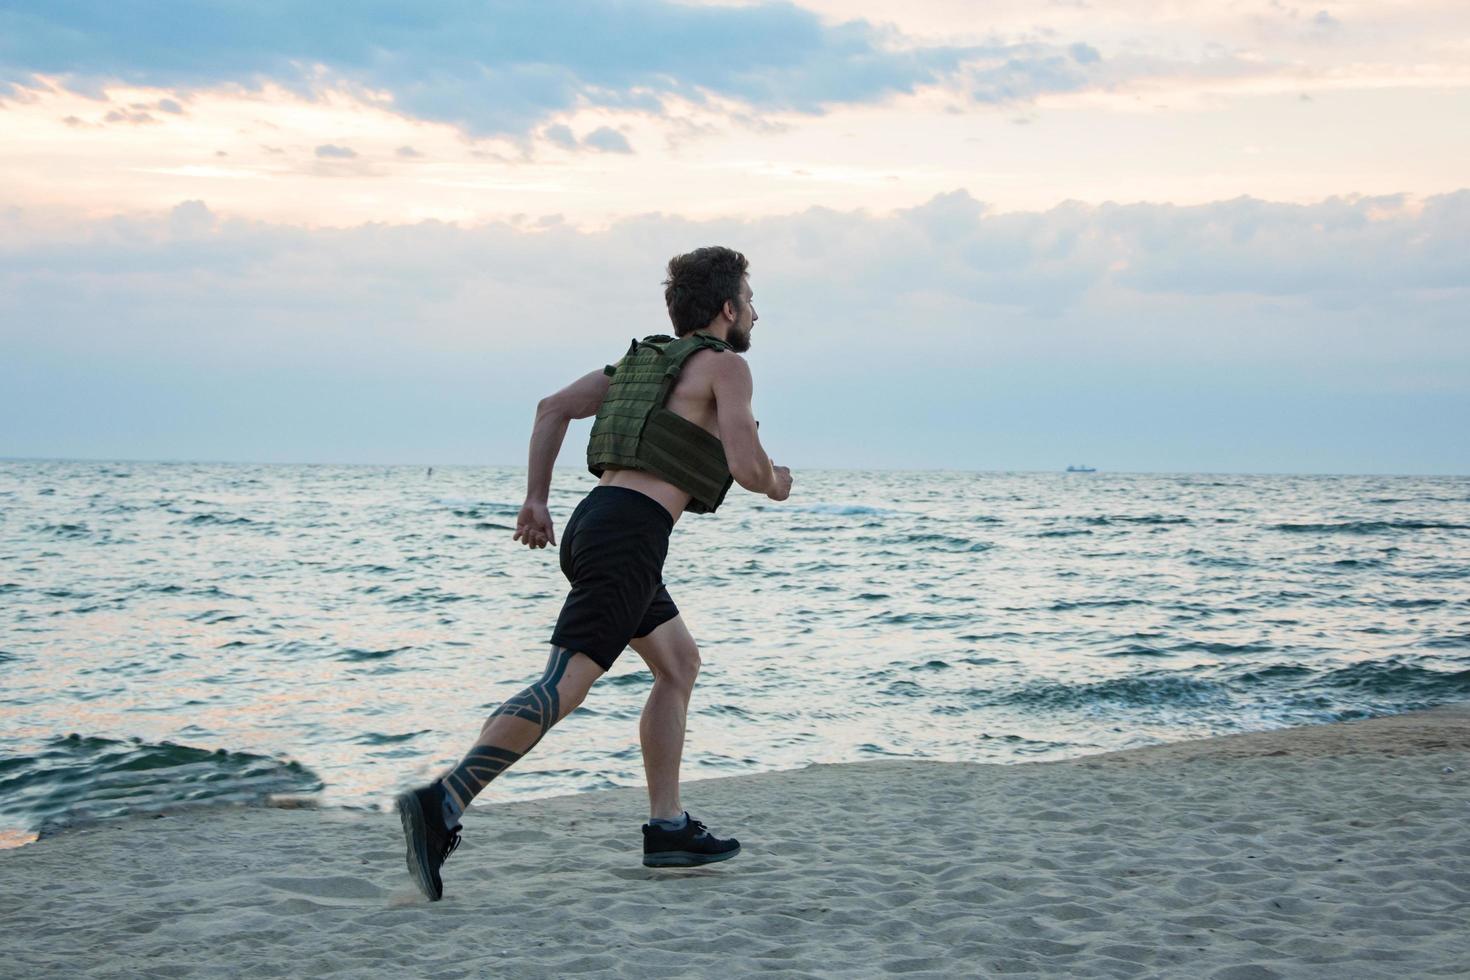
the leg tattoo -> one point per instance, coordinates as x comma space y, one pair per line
539, 704
474, 773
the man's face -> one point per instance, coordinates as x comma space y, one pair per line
738, 336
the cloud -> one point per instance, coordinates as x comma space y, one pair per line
330, 151
1084, 54
561, 135
504, 69
607, 140
1182, 335
1365, 253
407, 153
603, 139
190, 220
1342, 250
129, 116
1325, 21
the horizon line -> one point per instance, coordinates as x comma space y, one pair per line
1099, 471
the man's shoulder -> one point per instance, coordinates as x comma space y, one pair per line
718, 362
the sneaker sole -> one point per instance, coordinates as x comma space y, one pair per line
685, 859
417, 838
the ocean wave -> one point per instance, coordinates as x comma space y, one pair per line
215, 592
946, 542
82, 778
1066, 605
356, 655
1220, 648
382, 738
1108, 520
729, 711
1274, 673
1148, 689
215, 520
212, 616
931, 665
895, 618
426, 594
1368, 527
1396, 677
366, 568
461, 507
840, 509
1457, 573
65, 530
123, 508
1391, 682
1218, 561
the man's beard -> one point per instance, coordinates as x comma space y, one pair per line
738, 339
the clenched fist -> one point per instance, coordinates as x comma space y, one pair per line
781, 489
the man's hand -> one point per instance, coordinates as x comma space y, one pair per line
533, 525
781, 488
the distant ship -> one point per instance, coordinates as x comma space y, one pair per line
1081, 469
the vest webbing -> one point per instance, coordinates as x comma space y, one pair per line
635, 431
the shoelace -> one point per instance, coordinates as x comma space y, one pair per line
449, 847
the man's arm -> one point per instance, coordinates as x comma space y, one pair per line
733, 387
577, 400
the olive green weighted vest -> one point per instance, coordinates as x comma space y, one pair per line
635, 431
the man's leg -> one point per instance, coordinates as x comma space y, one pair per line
515, 727
673, 657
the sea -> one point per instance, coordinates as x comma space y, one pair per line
328, 635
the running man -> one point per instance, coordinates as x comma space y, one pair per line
674, 430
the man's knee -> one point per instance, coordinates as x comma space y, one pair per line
671, 654
680, 671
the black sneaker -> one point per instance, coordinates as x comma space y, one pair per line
690, 845
421, 811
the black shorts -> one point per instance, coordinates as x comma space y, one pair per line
612, 552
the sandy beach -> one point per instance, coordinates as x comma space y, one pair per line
1339, 850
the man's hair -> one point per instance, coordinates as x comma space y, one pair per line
699, 282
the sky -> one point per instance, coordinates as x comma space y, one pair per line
1224, 237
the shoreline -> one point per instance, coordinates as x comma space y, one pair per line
1343, 846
